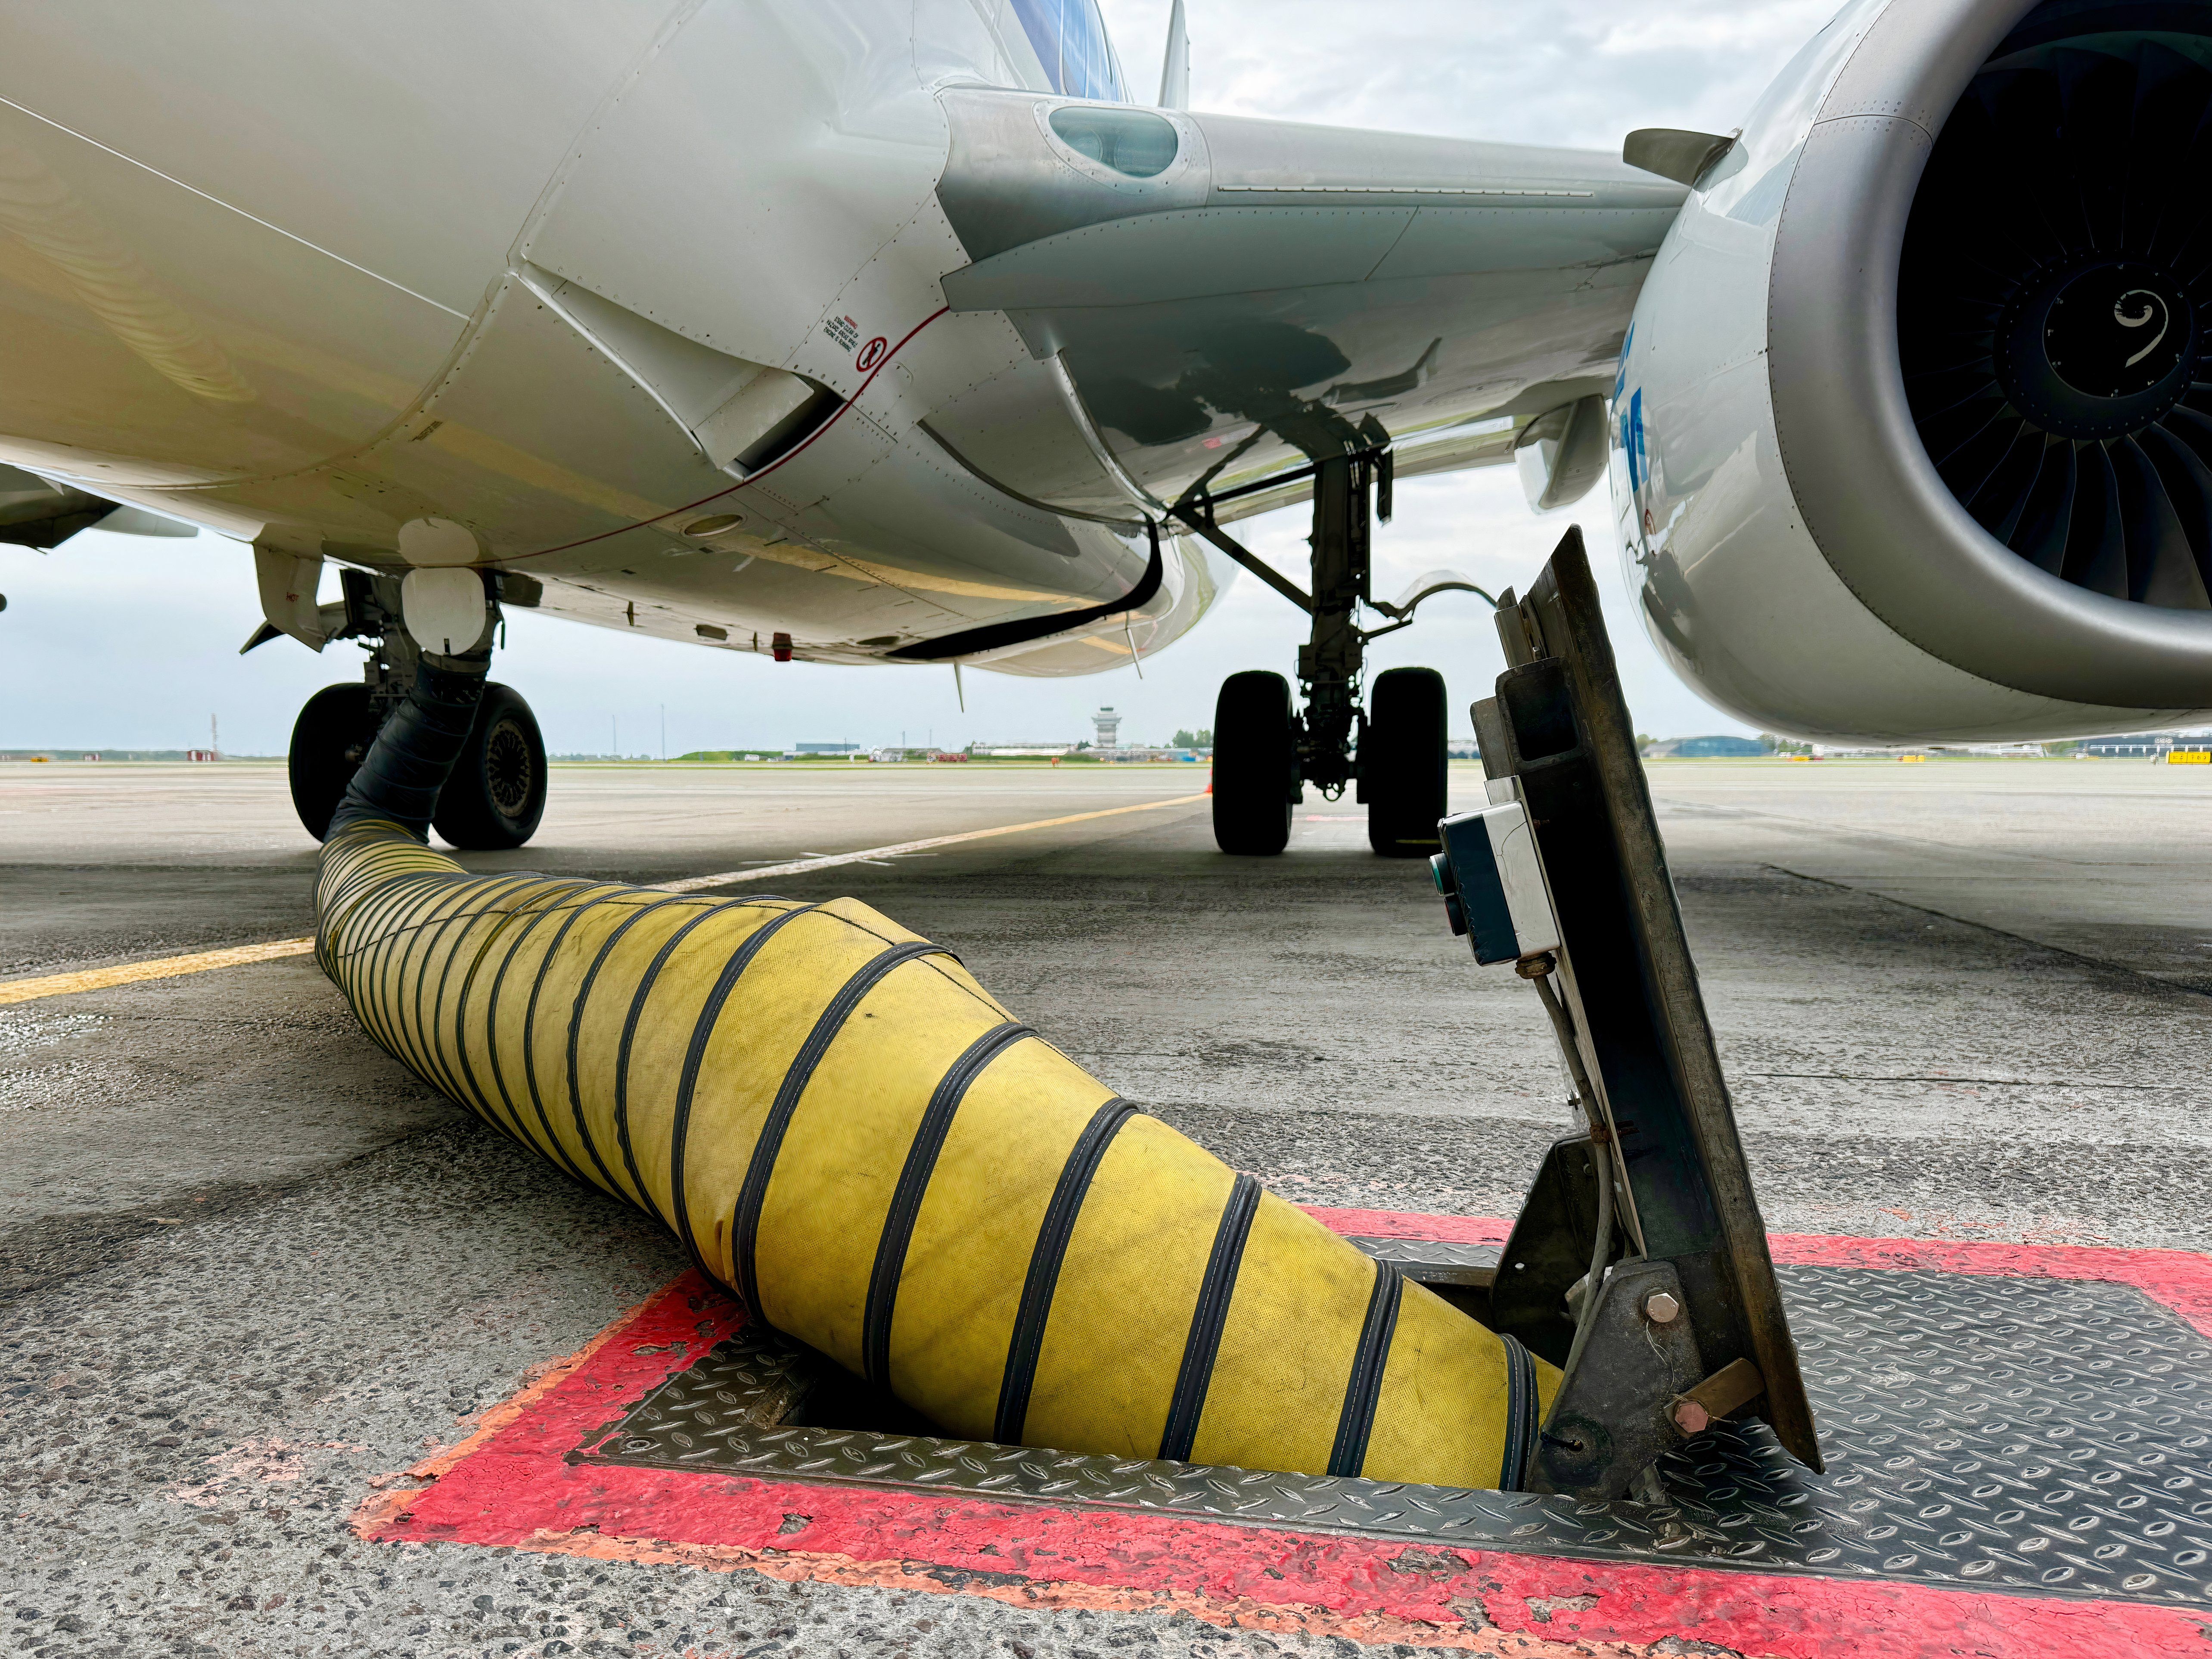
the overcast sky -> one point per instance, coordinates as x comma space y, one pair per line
118, 643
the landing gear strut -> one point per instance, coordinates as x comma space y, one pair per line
1394, 748
493, 797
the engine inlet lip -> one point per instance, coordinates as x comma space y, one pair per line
1869, 496
2076, 354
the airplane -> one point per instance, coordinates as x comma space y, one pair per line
903, 331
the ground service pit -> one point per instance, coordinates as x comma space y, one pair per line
2016, 1439
2073, 1481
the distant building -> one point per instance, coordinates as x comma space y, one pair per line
1032, 749
823, 749
2141, 745
1109, 725
1716, 747
1463, 749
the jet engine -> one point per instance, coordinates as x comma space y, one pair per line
1912, 435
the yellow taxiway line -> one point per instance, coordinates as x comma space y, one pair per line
129, 973
237, 956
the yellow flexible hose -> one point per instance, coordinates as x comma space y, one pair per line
846, 1129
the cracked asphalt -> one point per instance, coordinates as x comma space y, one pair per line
250, 1268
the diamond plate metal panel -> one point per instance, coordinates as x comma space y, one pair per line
2031, 1435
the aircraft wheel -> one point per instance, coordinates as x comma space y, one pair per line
1255, 763
328, 740
495, 793
1402, 763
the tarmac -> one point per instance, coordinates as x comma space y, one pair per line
252, 1268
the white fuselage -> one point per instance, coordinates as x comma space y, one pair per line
306, 275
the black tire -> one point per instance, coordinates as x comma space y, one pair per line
495, 793
329, 738
1402, 763
1256, 764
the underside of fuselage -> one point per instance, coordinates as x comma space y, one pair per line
743, 320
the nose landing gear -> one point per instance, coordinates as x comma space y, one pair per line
493, 797
1264, 751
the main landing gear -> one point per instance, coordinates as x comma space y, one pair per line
1264, 751
494, 795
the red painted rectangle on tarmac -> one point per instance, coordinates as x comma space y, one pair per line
511, 1485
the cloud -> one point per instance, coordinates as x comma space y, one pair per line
1580, 73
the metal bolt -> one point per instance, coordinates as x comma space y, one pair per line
1661, 1308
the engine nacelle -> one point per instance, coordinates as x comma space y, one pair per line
1910, 439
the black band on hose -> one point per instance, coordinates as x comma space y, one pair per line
1349, 1456
471, 1091
637, 1001
529, 1038
491, 1008
425, 916
912, 1185
1043, 1277
459, 1081
695, 1053
1520, 1415
1204, 1342
744, 1219
575, 1030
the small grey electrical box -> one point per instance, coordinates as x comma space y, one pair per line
1493, 884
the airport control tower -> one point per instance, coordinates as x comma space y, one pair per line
1109, 725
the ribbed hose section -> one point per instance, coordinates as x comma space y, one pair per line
847, 1130
400, 778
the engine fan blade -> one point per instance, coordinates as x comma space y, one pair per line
2029, 121
2040, 536
2184, 234
2189, 486
2161, 569
1980, 459
1936, 394
1945, 435
2172, 96
2192, 428
1977, 212
2098, 93
2097, 537
2003, 497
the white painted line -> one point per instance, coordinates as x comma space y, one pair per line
874, 854
201, 961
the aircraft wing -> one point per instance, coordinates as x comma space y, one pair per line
39, 512
1221, 297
